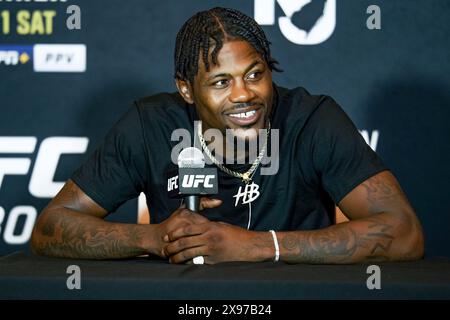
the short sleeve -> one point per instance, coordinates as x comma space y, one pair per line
114, 172
341, 157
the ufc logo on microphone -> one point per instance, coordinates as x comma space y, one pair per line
194, 181
172, 183
197, 181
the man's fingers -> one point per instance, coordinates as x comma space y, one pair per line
192, 217
180, 218
209, 203
198, 219
186, 231
183, 244
187, 255
205, 203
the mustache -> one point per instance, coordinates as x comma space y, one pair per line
246, 105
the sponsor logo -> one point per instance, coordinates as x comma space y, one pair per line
190, 181
305, 22
371, 140
41, 182
41, 185
60, 58
13, 55
172, 183
195, 181
46, 57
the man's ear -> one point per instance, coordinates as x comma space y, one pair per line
185, 89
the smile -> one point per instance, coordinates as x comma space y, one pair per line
244, 115
245, 118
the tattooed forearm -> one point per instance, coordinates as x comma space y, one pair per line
87, 237
382, 233
48, 230
364, 240
328, 245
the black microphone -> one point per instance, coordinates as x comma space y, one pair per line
191, 158
194, 180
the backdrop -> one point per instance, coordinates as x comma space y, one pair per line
69, 69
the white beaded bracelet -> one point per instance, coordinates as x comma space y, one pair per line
277, 248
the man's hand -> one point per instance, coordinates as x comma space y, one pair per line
180, 218
218, 242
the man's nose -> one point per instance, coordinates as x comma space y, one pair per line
240, 92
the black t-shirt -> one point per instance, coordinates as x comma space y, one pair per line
322, 157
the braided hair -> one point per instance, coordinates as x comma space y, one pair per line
212, 28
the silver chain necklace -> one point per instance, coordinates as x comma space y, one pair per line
246, 177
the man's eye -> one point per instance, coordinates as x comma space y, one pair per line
220, 83
254, 75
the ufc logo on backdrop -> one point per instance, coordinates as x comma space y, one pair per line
306, 22
15, 159
41, 181
194, 181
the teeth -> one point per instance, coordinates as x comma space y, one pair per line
243, 115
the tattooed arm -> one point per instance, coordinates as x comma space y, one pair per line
383, 226
72, 226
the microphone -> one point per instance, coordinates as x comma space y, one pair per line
191, 158
193, 179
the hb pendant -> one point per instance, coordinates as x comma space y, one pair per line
248, 195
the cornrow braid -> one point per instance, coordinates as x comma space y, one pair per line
214, 27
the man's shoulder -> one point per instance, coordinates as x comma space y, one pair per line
168, 108
162, 110
311, 114
160, 100
301, 97
299, 107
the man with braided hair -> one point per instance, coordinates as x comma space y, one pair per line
223, 72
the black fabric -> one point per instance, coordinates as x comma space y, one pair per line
32, 277
322, 157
